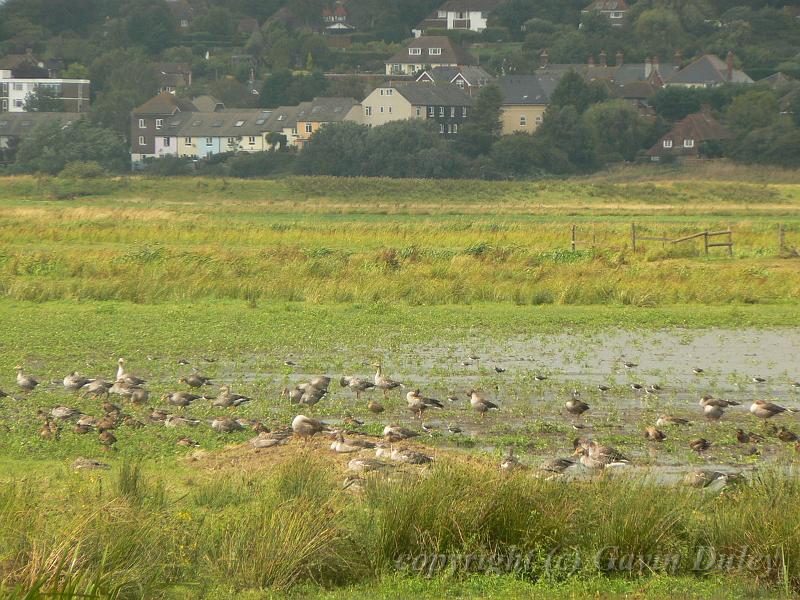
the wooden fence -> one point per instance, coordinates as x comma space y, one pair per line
709, 239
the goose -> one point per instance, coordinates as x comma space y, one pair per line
748, 437
321, 383
139, 396
709, 400
305, 427
3, 394
87, 421
106, 423
419, 404
713, 412
157, 416
225, 425
576, 406
654, 435
651, 390
312, 395
786, 435
25, 382
356, 384
375, 407
702, 478
293, 394
50, 430
178, 421
107, 439
396, 433
556, 465
81, 429
132, 423
88, 463
98, 388
123, 388
180, 398
667, 420
411, 457
630, 365
597, 456
454, 429
127, 377
699, 444
764, 410
510, 462
383, 450
540, 377
385, 383
226, 398
362, 465
795, 384
341, 446
481, 404
110, 407
349, 419
188, 442
698, 371
603, 388
195, 380
64, 412
73, 382
266, 439
453, 398
498, 369
637, 386
757, 379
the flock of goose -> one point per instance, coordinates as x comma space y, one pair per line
586, 452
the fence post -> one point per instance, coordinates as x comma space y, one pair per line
633, 235
573, 237
705, 241
730, 241
781, 237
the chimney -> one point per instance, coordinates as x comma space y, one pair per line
590, 62
648, 67
620, 58
543, 59
677, 59
729, 64
655, 64
603, 58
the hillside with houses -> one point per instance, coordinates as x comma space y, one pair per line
494, 88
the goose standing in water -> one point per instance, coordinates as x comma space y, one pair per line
385, 383
481, 404
576, 406
356, 384
25, 382
418, 403
128, 378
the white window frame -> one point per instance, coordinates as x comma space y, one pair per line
452, 112
251, 140
159, 123
441, 127
523, 121
187, 141
455, 127
441, 111
415, 51
367, 111
141, 141
667, 144
419, 111
209, 142
166, 140
434, 51
431, 111
142, 124
688, 143
464, 112
309, 128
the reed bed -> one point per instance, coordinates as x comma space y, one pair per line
127, 534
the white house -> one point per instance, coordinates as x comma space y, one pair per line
467, 15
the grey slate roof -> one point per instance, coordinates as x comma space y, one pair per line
281, 118
708, 69
21, 124
229, 123
432, 94
325, 110
472, 73
527, 89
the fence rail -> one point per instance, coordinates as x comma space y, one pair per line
707, 236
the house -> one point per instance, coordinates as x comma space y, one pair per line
17, 126
464, 15
73, 93
525, 98
183, 13
247, 26
428, 52
614, 10
446, 104
708, 71
201, 134
155, 125
321, 111
173, 76
206, 103
468, 78
687, 135
335, 19
777, 81
283, 120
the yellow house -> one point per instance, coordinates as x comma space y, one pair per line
313, 115
525, 98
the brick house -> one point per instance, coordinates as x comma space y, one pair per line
688, 135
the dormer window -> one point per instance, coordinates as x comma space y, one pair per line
688, 143
414, 51
435, 51
667, 143
616, 14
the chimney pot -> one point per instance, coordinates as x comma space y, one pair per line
729, 65
602, 58
620, 58
543, 59
590, 62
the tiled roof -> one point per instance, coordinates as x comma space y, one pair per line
471, 73
233, 123
700, 127
527, 89
325, 110
21, 125
607, 5
708, 69
450, 53
164, 104
432, 94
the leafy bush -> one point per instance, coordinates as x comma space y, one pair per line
83, 170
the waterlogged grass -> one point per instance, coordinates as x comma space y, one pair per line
324, 240
129, 533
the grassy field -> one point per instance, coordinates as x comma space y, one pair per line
238, 277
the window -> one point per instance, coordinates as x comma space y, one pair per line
209, 142
435, 51
455, 127
667, 143
367, 111
390, 110
141, 140
688, 143
523, 121
419, 111
452, 111
396, 69
18, 103
159, 123
238, 123
4, 105
538, 119
381, 109
231, 141
442, 14
441, 127
414, 51
449, 129
460, 83
184, 23
142, 124
18, 87
431, 111
464, 112
616, 14
187, 141
441, 111
389, 92
309, 128
252, 140
166, 141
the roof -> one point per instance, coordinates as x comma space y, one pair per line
21, 125
470, 5
281, 118
607, 5
164, 104
12, 61
247, 25
620, 74
206, 103
708, 69
700, 127
181, 9
639, 90
175, 67
777, 80
527, 89
451, 53
325, 110
231, 123
427, 94
471, 73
